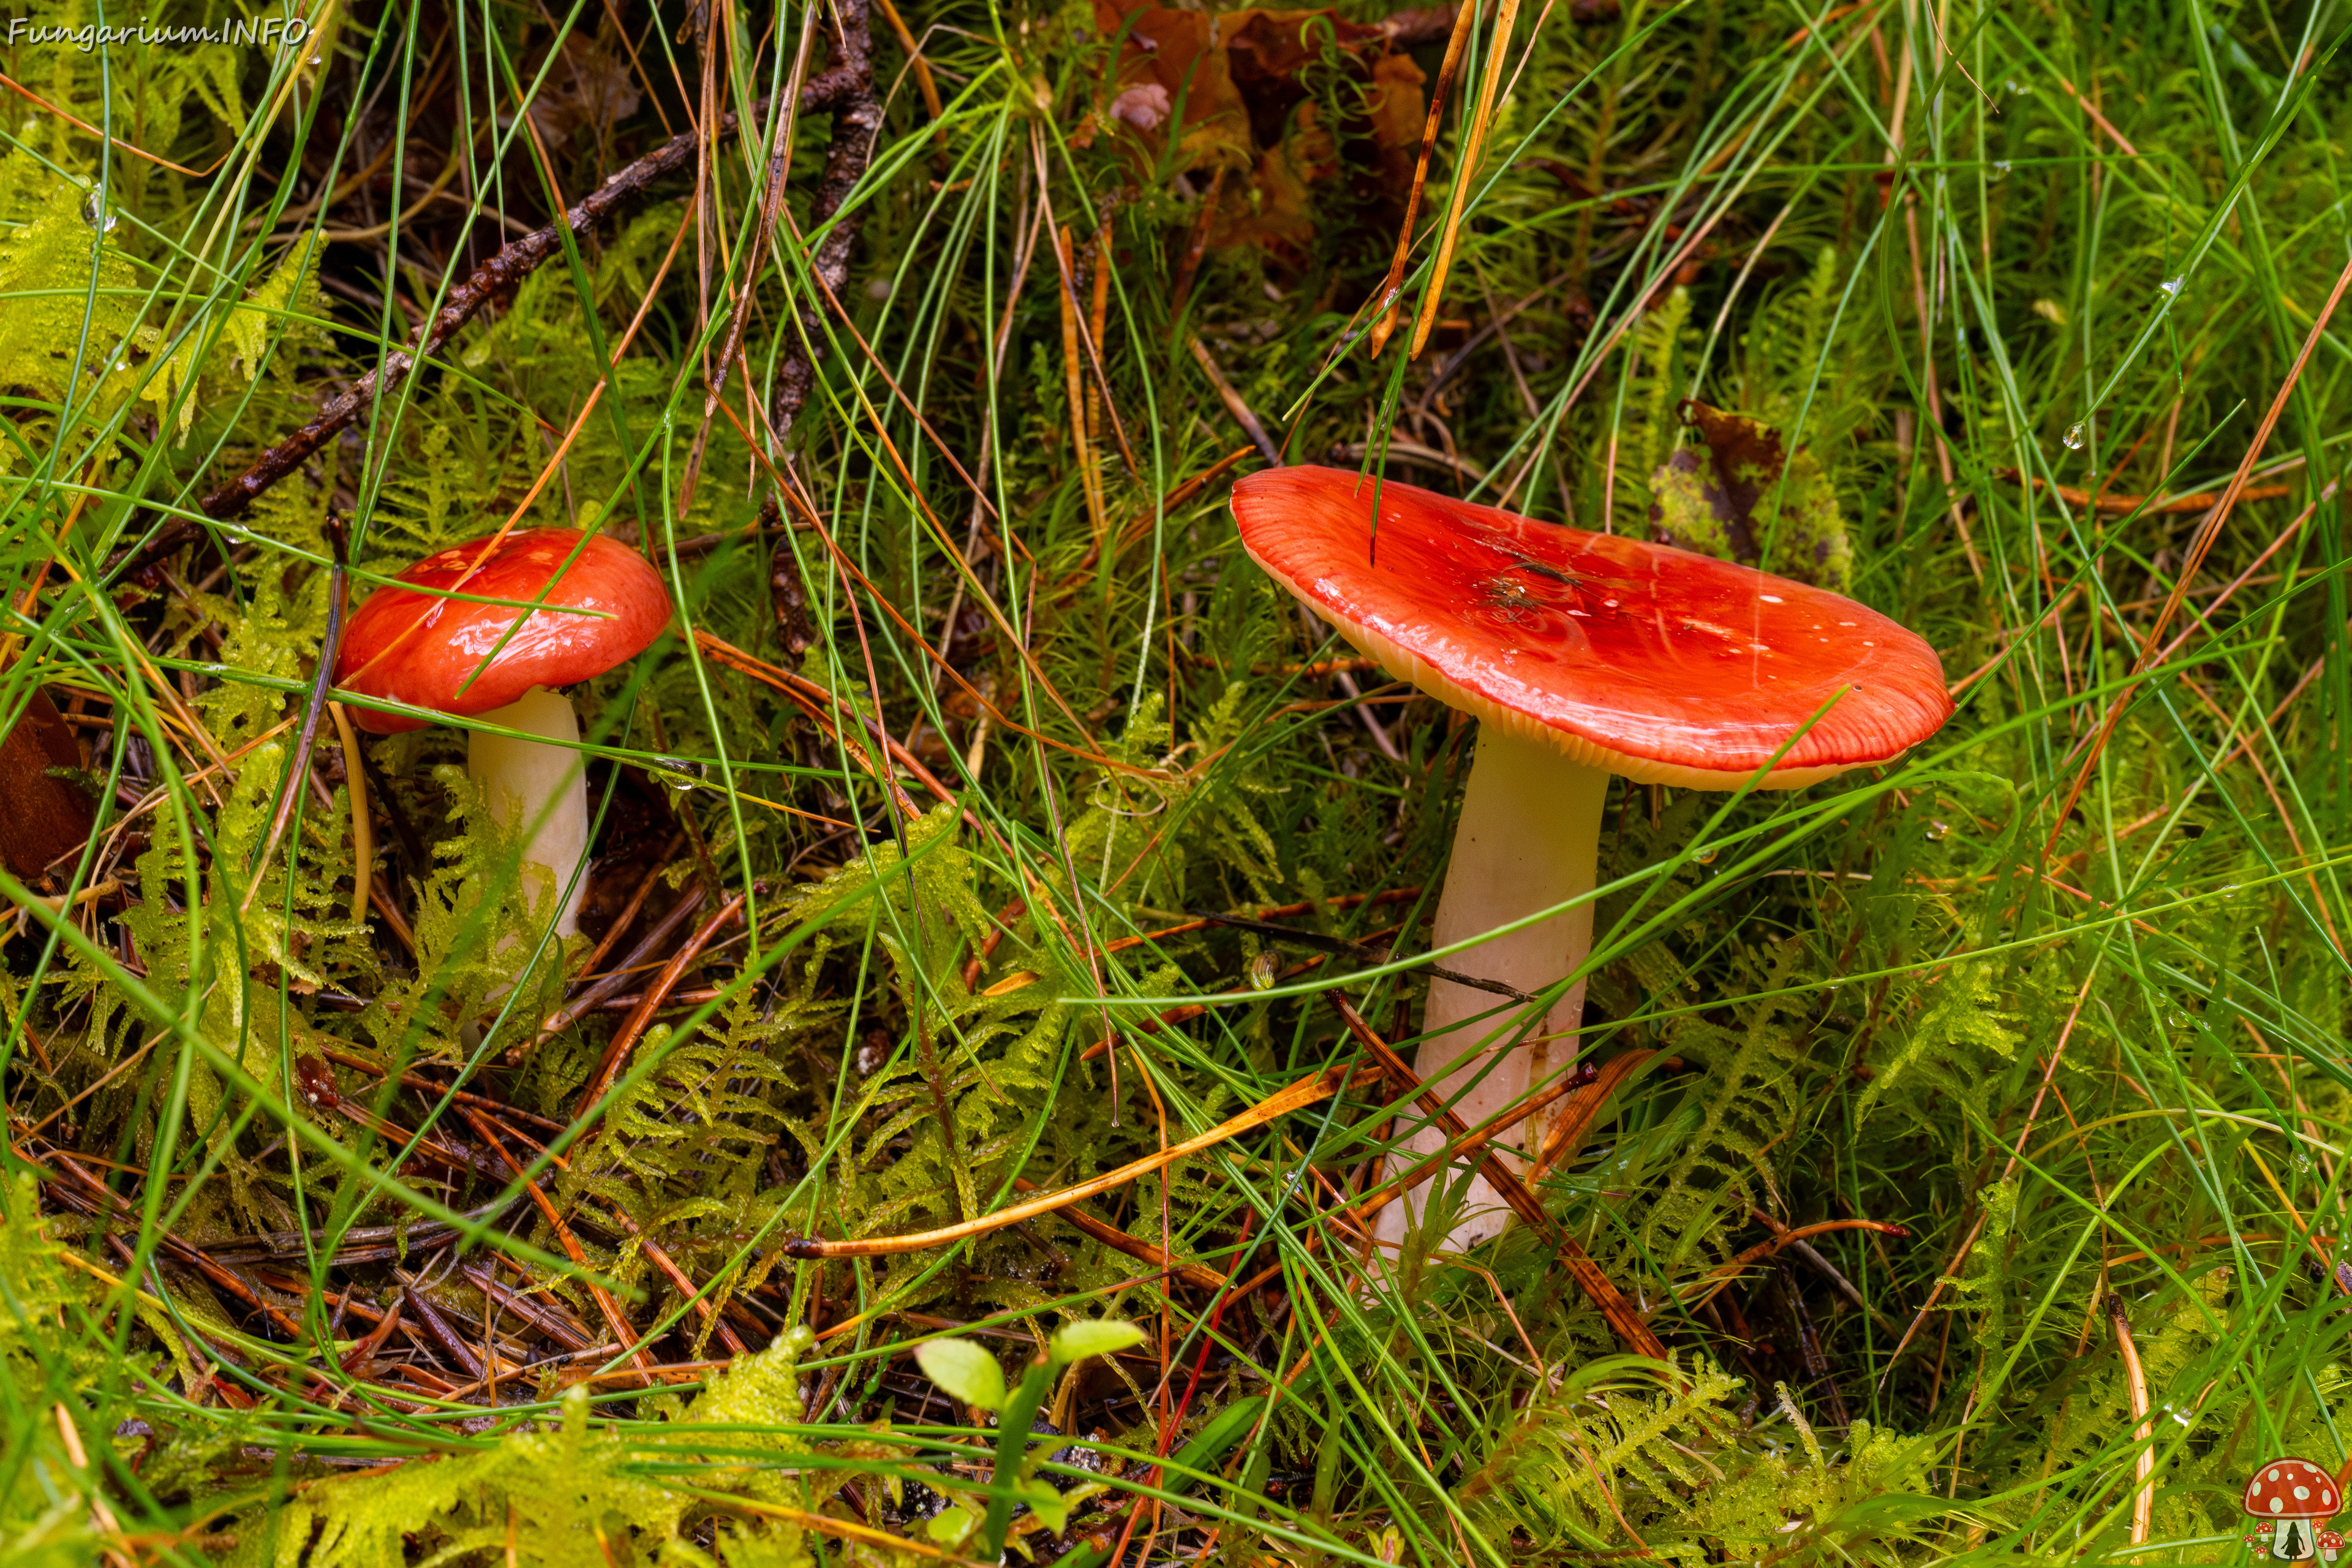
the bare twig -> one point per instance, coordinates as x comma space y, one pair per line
1235, 405
298, 760
1624, 1319
2208, 532
1194, 1274
501, 273
1306, 1092
617, 1049
856, 118
2143, 1462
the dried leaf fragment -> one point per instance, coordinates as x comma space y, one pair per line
1742, 497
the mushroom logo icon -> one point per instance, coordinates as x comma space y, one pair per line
2292, 1496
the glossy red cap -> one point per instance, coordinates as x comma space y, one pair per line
416, 647
1655, 663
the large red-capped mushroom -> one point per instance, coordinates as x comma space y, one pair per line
2291, 1496
599, 604
1583, 655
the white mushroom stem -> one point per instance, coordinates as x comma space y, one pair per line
2291, 1540
1528, 839
544, 790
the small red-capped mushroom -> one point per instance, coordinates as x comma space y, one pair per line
2290, 1495
1583, 655
599, 604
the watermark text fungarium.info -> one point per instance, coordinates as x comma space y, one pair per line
244, 32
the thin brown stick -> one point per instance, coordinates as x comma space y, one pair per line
602, 988
2245, 747
1235, 403
617, 1320
780, 162
2016, 1153
1392, 286
923, 82
1566, 1134
1785, 1236
2143, 1462
2120, 505
1198, 1276
494, 277
1356, 1218
687, 1289
1097, 322
625, 1036
1135, 531
298, 758
1624, 1319
622, 922
1925, 317
2317, 1243
2205, 616
856, 121
79, 1190
1306, 1092
2207, 533
553, 1321
813, 698
1067, 257
363, 821
1073, 383
821, 705
2114, 135
1196, 246
1473, 154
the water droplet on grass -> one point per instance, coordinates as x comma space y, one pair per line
679, 773
1705, 857
2172, 286
1937, 831
1261, 971
94, 211
2074, 437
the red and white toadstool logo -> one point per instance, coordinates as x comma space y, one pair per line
2292, 1496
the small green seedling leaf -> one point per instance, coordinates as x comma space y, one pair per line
1047, 1504
1077, 1341
965, 1370
951, 1525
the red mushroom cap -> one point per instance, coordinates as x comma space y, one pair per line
1655, 663
428, 651
2292, 1488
